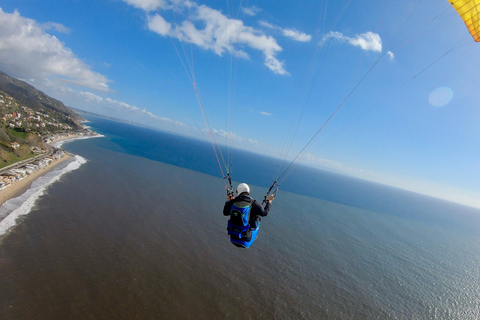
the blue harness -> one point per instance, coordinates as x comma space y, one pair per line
238, 228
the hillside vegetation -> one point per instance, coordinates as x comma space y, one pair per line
26, 116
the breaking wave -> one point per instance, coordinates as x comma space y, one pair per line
59, 144
22, 205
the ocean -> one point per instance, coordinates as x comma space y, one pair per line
132, 228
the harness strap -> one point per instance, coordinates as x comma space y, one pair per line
242, 229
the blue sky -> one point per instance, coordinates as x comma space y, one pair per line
405, 75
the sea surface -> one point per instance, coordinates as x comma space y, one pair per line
132, 228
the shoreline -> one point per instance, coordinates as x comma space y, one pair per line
20, 187
70, 136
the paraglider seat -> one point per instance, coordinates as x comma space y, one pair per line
242, 236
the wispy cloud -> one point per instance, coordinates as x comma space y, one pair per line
148, 5
251, 11
266, 24
56, 27
98, 103
390, 55
265, 113
289, 33
211, 30
296, 35
368, 41
331, 165
227, 134
230, 136
27, 51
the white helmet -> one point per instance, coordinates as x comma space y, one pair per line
242, 188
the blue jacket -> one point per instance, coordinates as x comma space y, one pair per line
255, 212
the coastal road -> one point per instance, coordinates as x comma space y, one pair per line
19, 164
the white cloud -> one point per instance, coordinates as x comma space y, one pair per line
147, 5
289, 33
225, 134
55, 26
311, 159
28, 52
276, 66
367, 41
266, 24
157, 24
390, 55
265, 113
296, 35
251, 11
211, 30
230, 136
123, 109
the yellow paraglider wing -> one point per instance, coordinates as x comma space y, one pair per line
469, 12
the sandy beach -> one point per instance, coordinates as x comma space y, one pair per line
19, 187
70, 136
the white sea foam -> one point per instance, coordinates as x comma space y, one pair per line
22, 205
59, 144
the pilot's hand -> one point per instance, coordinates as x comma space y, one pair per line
271, 197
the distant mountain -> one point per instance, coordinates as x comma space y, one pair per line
28, 95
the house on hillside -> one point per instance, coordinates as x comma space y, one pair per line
31, 168
36, 149
44, 162
59, 154
19, 173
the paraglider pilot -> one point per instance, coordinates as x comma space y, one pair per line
245, 214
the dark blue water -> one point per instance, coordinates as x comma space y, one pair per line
261, 171
137, 233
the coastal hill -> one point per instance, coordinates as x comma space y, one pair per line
28, 95
26, 116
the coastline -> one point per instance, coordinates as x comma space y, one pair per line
19, 187
69, 136
19, 197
